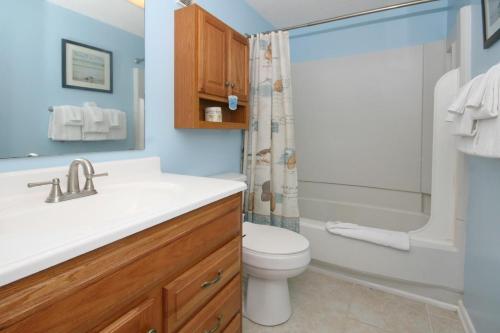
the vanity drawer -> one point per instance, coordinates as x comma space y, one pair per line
235, 325
217, 314
190, 291
143, 318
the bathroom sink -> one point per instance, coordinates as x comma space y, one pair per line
113, 208
35, 235
110, 202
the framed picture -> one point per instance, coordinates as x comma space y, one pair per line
491, 22
86, 67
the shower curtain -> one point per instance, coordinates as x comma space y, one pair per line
270, 160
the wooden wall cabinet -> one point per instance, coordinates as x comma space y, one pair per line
179, 276
211, 62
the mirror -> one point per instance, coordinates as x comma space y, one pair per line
72, 77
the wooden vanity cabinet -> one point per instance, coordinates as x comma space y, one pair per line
180, 276
211, 63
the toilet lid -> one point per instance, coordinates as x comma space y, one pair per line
272, 240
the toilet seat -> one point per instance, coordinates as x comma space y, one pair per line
268, 247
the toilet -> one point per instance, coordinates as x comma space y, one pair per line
271, 256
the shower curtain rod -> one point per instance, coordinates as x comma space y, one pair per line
347, 16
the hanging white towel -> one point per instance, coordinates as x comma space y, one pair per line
460, 113
458, 106
484, 99
117, 124
95, 124
465, 125
65, 123
490, 104
487, 141
394, 239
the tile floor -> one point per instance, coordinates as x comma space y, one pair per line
323, 304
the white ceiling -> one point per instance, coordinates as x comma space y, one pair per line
118, 13
283, 13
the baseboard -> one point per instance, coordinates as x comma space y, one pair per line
391, 290
465, 318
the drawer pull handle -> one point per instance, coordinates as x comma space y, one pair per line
208, 284
217, 326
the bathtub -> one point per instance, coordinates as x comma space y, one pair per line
423, 264
437, 245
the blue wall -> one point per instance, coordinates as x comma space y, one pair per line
386, 30
482, 258
482, 261
199, 152
32, 59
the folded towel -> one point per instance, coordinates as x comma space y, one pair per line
117, 125
460, 101
394, 239
484, 99
95, 124
114, 117
70, 115
465, 125
95, 114
487, 141
61, 126
490, 104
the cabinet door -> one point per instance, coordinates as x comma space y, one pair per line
238, 65
213, 56
144, 318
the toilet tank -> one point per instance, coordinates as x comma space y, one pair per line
236, 177
232, 176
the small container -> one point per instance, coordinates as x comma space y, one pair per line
213, 114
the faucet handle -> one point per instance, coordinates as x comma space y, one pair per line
89, 184
54, 181
55, 194
104, 174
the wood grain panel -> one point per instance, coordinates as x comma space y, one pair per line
238, 65
212, 55
186, 64
234, 326
219, 312
186, 294
142, 318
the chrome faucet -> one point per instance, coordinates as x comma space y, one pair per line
74, 191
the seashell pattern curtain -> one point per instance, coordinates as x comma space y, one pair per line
270, 160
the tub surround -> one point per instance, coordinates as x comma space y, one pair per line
136, 196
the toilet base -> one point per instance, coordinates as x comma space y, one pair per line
267, 302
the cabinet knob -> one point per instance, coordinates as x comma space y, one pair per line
152, 331
233, 84
227, 83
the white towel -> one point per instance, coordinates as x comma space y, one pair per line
95, 124
64, 125
484, 99
460, 113
487, 141
394, 239
490, 104
465, 125
460, 101
117, 124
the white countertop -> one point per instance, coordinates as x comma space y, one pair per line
35, 235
